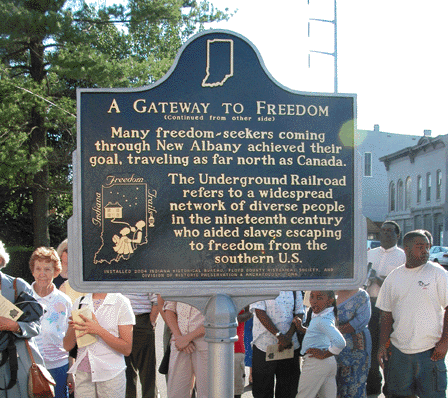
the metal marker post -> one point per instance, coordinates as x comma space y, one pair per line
220, 333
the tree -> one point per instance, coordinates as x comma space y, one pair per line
48, 49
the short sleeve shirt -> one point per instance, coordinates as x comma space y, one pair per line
142, 302
417, 298
106, 363
384, 261
281, 311
189, 318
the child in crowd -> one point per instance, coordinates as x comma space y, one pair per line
321, 342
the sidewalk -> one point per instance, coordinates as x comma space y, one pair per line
161, 378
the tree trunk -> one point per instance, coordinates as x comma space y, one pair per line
40, 217
40, 192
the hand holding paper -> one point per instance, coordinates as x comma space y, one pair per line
9, 310
84, 322
273, 353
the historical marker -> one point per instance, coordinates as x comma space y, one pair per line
216, 174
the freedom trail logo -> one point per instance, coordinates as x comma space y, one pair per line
124, 210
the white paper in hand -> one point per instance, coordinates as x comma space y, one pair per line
9, 310
88, 338
273, 354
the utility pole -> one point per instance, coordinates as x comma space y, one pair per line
334, 54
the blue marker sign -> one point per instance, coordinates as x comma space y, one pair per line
216, 173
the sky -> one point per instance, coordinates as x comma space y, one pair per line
390, 53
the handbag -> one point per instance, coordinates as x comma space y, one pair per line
164, 364
40, 382
32, 310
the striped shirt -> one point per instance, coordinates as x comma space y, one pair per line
142, 302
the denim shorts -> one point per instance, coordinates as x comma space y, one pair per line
416, 374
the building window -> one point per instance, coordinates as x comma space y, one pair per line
427, 222
418, 223
419, 189
407, 195
367, 164
438, 229
392, 196
428, 187
407, 226
439, 184
400, 195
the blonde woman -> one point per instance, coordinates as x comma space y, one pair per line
45, 265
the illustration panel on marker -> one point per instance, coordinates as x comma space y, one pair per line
127, 216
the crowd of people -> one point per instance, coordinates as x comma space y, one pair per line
322, 343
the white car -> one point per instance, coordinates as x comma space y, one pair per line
372, 244
439, 254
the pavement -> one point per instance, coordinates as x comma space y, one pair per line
161, 378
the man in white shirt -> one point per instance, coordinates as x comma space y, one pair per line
273, 324
413, 302
384, 259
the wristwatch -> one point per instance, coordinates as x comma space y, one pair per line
278, 334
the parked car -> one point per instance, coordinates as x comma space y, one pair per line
439, 254
372, 244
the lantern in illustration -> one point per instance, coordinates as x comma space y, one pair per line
151, 220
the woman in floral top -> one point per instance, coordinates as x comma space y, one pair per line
45, 265
354, 360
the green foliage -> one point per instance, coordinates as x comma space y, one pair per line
17, 163
48, 49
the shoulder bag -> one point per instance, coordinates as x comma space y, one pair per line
40, 382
